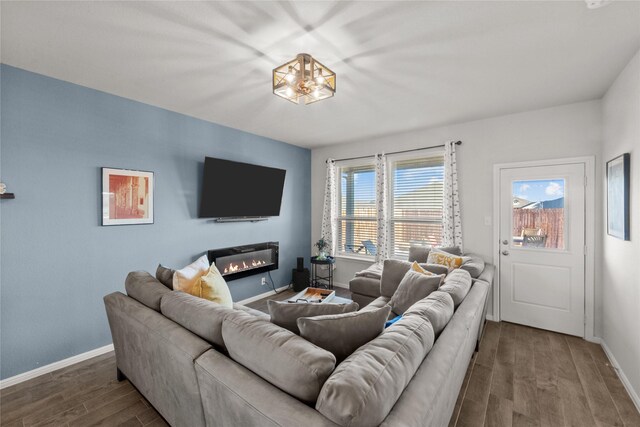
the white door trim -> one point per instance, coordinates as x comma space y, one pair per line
590, 226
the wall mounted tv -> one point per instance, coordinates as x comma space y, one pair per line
240, 191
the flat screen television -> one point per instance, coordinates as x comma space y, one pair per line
240, 190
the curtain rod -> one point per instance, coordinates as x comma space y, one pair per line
394, 152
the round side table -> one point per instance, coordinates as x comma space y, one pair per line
318, 280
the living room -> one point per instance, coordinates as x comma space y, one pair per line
462, 173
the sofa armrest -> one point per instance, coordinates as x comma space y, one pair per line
487, 274
234, 396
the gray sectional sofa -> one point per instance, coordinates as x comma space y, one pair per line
199, 363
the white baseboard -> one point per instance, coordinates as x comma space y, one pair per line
490, 317
340, 285
625, 381
260, 296
54, 366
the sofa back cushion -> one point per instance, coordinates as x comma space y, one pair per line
342, 334
284, 359
457, 284
200, 316
420, 253
165, 275
437, 307
413, 287
145, 289
474, 264
286, 314
363, 389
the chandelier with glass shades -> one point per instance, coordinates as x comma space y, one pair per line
304, 79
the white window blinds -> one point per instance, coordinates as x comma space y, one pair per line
416, 189
416, 203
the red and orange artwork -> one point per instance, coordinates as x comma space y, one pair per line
127, 197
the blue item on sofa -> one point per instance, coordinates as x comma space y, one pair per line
392, 321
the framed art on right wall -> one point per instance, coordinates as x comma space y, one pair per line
618, 197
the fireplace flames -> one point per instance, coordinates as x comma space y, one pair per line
234, 268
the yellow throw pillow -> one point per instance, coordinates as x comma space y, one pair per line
437, 256
416, 267
213, 287
185, 278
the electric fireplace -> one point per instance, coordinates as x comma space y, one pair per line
242, 261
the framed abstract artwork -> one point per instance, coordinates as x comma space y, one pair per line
618, 197
127, 197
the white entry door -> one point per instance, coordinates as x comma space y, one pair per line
542, 246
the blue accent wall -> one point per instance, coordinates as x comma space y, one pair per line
57, 261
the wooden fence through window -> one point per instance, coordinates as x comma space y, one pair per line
550, 221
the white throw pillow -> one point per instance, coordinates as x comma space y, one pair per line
185, 278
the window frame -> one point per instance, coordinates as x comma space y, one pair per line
338, 251
391, 219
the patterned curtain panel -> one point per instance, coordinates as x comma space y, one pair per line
329, 210
382, 249
452, 221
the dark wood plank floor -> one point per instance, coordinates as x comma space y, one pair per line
523, 376
520, 377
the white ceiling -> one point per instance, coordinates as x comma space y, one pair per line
401, 65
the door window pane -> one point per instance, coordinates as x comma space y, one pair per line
538, 214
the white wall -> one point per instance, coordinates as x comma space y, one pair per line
620, 267
558, 132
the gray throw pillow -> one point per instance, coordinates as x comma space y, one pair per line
165, 275
342, 334
413, 287
457, 284
285, 314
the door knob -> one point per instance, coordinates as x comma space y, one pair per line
505, 252
505, 242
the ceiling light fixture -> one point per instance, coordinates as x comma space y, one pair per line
304, 79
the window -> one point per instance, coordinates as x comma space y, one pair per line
415, 195
415, 212
357, 220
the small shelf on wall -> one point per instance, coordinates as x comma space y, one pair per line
7, 196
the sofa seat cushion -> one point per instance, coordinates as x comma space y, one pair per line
342, 334
373, 271
286, 314
363, 389
365, 286
437, 307
457, 284
279, 356
413, 287
474, 264
145, 289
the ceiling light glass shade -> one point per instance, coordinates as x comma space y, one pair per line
304, 79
